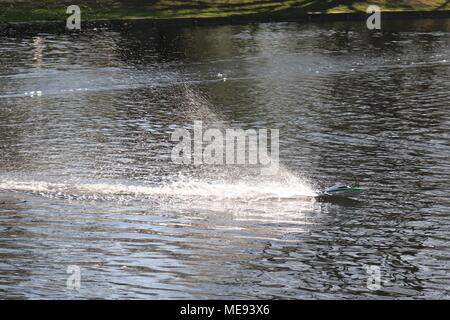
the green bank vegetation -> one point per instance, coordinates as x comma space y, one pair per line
32, 10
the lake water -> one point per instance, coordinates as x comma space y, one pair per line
86, 177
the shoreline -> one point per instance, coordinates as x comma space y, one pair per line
123, 24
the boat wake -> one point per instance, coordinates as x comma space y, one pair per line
248, 189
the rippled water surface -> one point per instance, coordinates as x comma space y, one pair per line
86, 177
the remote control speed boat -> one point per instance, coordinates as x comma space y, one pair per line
342, 191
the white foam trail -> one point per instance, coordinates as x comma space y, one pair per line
249, 190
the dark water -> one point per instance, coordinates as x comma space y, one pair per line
86, 177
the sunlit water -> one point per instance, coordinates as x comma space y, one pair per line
86, 176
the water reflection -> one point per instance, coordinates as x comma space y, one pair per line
86, 178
